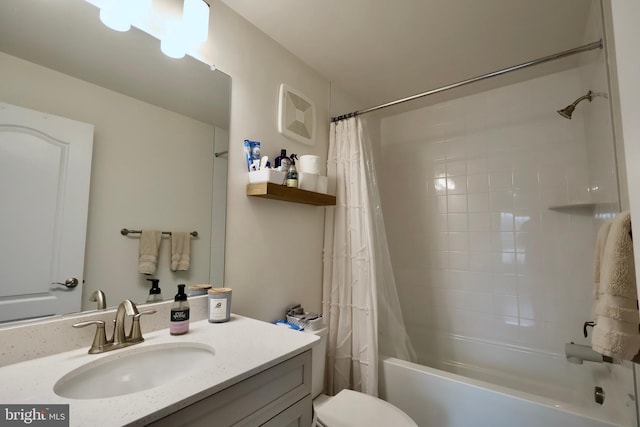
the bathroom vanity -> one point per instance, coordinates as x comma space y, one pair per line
246, 372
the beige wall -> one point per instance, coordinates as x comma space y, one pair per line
273, 249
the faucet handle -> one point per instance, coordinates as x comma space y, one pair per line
99, 339
136, 332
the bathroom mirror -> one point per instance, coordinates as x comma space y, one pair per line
157, 125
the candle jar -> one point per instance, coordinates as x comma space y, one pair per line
219, 305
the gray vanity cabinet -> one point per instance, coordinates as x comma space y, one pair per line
279, 396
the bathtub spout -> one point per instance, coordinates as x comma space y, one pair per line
577, 354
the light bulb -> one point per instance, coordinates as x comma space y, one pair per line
114, 15
195, 21
173, 44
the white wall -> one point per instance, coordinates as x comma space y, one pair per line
152, 168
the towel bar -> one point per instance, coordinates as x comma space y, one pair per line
125, 231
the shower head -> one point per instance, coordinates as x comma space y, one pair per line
567, 111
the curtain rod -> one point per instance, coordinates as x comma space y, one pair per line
585, 48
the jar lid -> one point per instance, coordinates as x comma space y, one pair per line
199, 287
220, 290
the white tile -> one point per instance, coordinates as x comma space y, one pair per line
505, 284
459, 260
458, 222
457, 184
503, 262
525, 178
438, 186
501, 201
440, 260
479, 221
456, 147
499, 181
527, 220
478, 202
437, 151
441, 242
506, 328
525, 199
478, 183
456, 168
459, 279
502, 221
503, 241
531, 307
476, 145
479, 261
479, 241
499, 163
438, 170
477, 166
458, 242
505, 305
442, 204
442, 222
457, 203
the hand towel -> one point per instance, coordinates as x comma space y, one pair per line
180, 251
616, 332
148, 254
601, 240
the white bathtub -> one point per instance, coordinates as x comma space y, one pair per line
435, 398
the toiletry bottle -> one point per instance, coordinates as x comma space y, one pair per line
282, 162
179, 323
292, 175
155, 293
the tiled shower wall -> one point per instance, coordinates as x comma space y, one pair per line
467, 186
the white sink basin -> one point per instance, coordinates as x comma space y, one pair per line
133, 369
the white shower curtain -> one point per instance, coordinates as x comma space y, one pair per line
360, 301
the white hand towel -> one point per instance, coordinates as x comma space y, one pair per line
148, 254
616, 332
601, 240
180, 251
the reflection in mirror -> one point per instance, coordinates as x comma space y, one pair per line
156, 123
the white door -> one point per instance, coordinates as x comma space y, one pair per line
45, 168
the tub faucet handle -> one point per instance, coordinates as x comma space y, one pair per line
585, 326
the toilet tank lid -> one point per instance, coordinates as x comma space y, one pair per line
321, 332
339, 411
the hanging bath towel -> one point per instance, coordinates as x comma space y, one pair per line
180, 251
616, 331
148, 254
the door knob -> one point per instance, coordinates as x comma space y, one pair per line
69, 283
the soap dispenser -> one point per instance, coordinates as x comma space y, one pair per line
179, 323
155, 293
292, 175
282, 162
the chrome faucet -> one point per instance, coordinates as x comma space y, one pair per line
119, 338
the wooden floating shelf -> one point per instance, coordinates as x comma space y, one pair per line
268, 190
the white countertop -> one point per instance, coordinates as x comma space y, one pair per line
243, 347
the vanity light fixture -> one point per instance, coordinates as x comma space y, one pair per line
190, 31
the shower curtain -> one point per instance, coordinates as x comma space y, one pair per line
360, 301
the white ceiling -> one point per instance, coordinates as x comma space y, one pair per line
382, 50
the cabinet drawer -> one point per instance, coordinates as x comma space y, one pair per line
251, 402
298, 415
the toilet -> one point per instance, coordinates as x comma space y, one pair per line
348, 408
